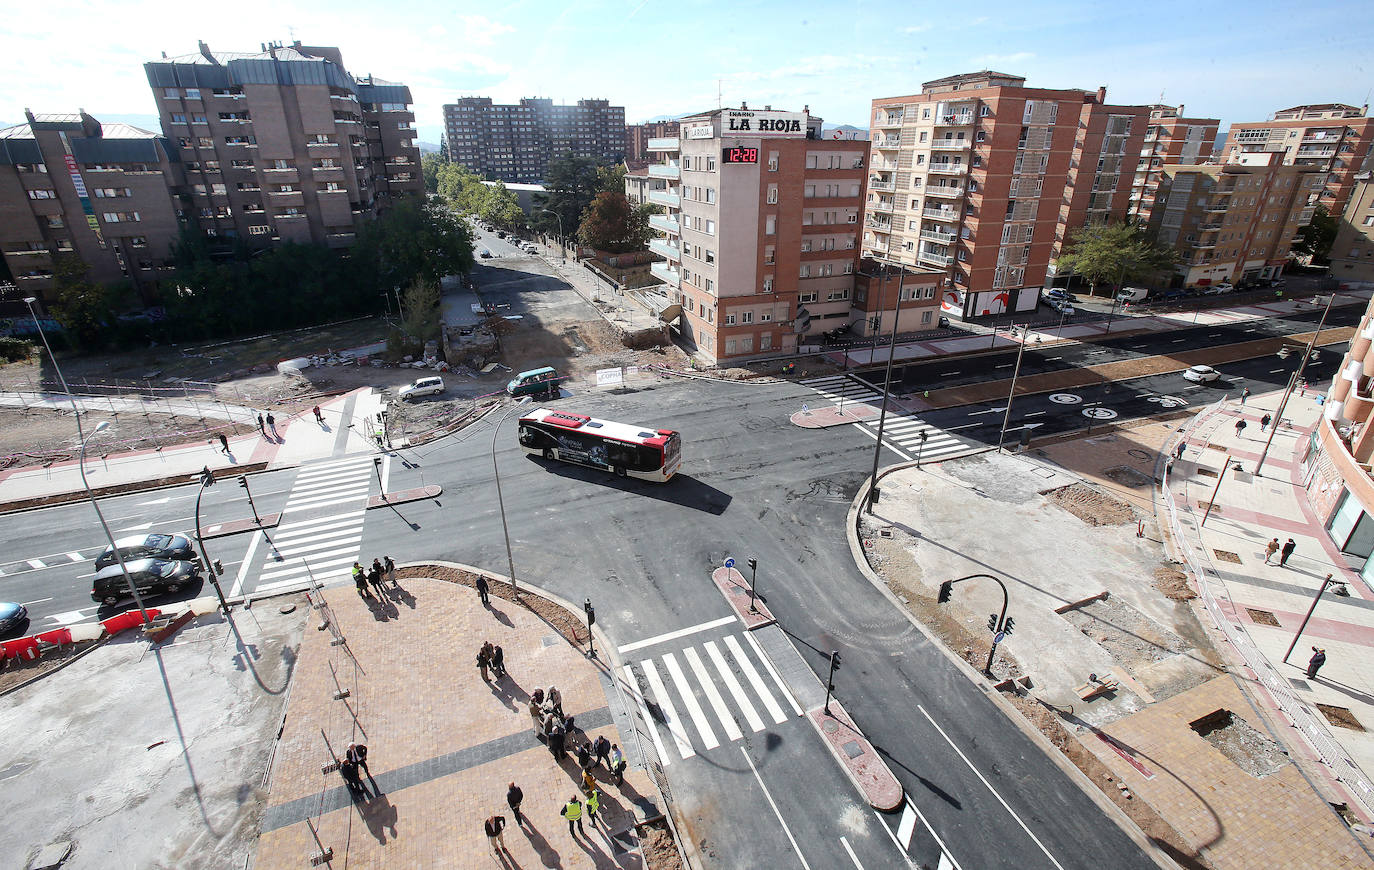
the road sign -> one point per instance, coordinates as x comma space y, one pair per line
1099, 413
729, 562
1065, 398
999, 637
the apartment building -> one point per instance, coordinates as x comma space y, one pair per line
1352, 253
517, 142
1169, 138
983, 178
285, 144
70, 184
760, 237
1333, 137
637, 138
638, 183
1234, 221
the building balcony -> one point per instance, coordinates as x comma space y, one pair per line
280, 175
956, 119
939, 237
881, 206
665, 273
282, 198
880, 226
1209, 228
951, 144
665, 170
888, 121
1216, 207
948, 191
942, 260
664, 223
885, 186
661, 197
940, 214
668, 143
888, 143
666, 250
947, 168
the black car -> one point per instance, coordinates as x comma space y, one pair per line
150, 576
176, 548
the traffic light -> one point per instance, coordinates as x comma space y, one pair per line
753, 564
924, 435
591, 612
1009, 625
207, 477
1283, 353
219, 568
992, 622
243, 481
834, 661
946, 591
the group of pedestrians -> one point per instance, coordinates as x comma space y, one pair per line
354, 761
267, 425
1284, 551
376, 575
491, 658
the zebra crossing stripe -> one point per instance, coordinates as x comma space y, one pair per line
317, 499
768, 666
874, 435
736, 690
633, 686
310, 489
317, 544
752, 674
689, 700
299, 527
708, 685
304, 565
670, 719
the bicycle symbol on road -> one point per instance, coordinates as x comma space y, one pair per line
1099, 413
1168, 401
1065, 398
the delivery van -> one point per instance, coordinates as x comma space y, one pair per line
1132, 294
536, 382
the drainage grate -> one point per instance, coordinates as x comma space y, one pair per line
1262, 617
1228, 556
1341, 717
1206, 472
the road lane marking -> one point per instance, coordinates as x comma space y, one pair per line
752, 675
907, 827
708, 686
1034, 414
1004, 366
35, 563
886, 443
76, 557
772, 672
674, 635
852, 856
665, 706
247, 561
1053, 358
633, 685
1095, 353
140, 528
36, 601
689, 700
965, 426
978, 773
947, 374
946, 860
736, 690
772, 803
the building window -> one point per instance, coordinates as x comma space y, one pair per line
710, 164
923, 136
765, 316
773, 162
710, 227
729, 320
710, 256
768, 284
804, 298
193, 93
772, 194
42, 193
766, 341
770, 225
925, 318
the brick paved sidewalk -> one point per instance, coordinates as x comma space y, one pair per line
443, 745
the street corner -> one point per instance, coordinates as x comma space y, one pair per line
748, 606
857, 757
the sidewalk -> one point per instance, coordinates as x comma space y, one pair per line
1260, 606
443, 745
299, 439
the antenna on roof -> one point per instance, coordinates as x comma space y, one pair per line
718, 103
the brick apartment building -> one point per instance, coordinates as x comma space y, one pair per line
761, 232
1352, 253
1233, 221
1170, 138
285, 144
1332, 137
103, 192
515, 143
637, 138
984, 179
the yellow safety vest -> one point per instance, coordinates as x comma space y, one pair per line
572, 811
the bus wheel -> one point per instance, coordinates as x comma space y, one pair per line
548, 453
620, 471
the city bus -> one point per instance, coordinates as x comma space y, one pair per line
625, 450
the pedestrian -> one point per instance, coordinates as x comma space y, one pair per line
390, 568
357, 753
223, 444
584, 757
272, 424
1270, 549
319, 418
1315, 663
482, 590
498, 661
1240, 427
374, 576
1264, 422
514, 797
601, 748
261, 428
557, 738
572, 811
495, 828
1178, 451
1244, 394
359, 579
555, 700
1287, 551
593, 805
483, 662
349, 771
588, 782
618, 765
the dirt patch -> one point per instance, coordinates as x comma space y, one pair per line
1262, 617
1090, 506
1128, 476
1341, 717
1241, 742
15, 672
660, 852
1134, 640
1227, 556
1174, 584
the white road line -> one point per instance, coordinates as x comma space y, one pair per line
350, 499
351, 516
76, 557
1095, 353
907, 826
633, 686
948, 374
752, 675
772, 803
1053, 358
980, 776
665, 705
768, 666
302, 581
321, 498
36, 601
874, 436
852, 856
900, 848
333, 463
1035, 413
326, 486
736, 690
674, 635
141, 528
1176, 341
708, 686
312, 535
314, 546
986, 411
946, 859
247, 561
304, 565
689, 700
965, 426
1007, 366
1275, 371
35, 563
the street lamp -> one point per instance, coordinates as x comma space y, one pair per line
1011, 393
561, 249
207, 480
500, 500
81, 459
1297, 376
887, 381
1339, 590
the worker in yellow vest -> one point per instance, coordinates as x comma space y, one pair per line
572, 811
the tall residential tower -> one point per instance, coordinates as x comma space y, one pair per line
516, 142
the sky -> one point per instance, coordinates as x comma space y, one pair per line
1237, 61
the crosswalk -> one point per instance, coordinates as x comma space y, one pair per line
322, 530
721, 686
901, 432
915, 837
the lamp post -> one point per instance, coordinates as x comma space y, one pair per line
1297, 376
81, 459
561, 249
500, 500
207, 480
1011, 393
887, 383
1339, 590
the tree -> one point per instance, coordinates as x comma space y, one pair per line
420, 304
1315, 239
500, 207
430, 165
83, 307
611, 179
612, 223
1114, 252
443, 149
572, 183
412, 240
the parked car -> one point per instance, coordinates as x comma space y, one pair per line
1217, 289
1055, 294
150, 576
423, 387
12, 616
1173, 295
1201, 374
1132, 294
153, 546
484, 254
1063, 308
536, 382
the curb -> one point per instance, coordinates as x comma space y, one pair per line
865, 768
28, 504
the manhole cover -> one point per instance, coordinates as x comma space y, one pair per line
1341, 717
1261, 617
1206, 472
1227, 556
854, 750
829, 726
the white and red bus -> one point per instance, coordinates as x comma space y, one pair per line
628, 451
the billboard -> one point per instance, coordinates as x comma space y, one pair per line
768, 124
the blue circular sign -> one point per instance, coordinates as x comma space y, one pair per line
730, 562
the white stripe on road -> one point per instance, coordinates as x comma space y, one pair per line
316, 535
946, 860
736, 690
633, 685
35, 563
772, 803
674, 635
352, 516
874, 436
76, 557
965, 426
351, 499
247, 561
1000, 800
309, 489
302, 565
315, 545
689, 700
708, 686
768, 666
302, 581
665, 706
752, 675
852, 856
325, 498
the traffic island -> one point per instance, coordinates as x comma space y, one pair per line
833, 415
748, 606
391, 499
236, 527
869, 773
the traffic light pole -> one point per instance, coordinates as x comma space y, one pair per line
207, 480
830, 681
243, 482
591, 620
998, 623
753, 585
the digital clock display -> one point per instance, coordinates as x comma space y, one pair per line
739, 155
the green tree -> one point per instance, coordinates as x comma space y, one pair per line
412, 240
443, 149
1114, 253
612, 223
611, 179
571, 184
500, 207
429, 168
420, 302
83, 307
1315, 239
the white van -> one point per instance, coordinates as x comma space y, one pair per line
1132, 294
